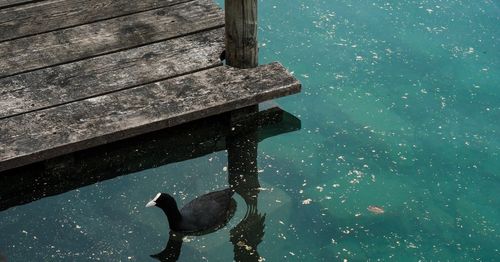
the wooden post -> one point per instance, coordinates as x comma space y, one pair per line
241, 33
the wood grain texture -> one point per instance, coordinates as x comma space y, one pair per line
241, 33
91, 77
9, 3
56, 131
58, 47
44, 16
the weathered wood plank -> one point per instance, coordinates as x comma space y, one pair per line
107, 36
91, 77
8, 3
44, 16
180, 143
44, 134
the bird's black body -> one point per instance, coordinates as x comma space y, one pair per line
205, 213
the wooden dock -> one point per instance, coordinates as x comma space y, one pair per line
75, 74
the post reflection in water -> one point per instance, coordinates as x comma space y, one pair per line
243, 177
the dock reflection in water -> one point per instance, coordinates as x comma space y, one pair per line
238, 136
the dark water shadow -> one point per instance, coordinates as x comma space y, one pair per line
195, 139
243, 177
241, 143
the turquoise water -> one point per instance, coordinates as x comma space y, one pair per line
399, 110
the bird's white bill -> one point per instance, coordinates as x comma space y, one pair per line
151, 203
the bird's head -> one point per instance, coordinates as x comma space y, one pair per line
163, 201
167, 203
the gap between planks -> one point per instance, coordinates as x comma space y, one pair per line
29, 18
12, 3
71, 82
91, 40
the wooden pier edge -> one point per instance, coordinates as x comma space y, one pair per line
104, 119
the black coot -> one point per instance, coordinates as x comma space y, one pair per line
205, 213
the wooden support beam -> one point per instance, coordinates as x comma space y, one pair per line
241, 33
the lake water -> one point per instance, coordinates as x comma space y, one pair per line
400, 112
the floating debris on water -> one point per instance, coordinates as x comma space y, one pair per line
376, 210
306, 201
243, 244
